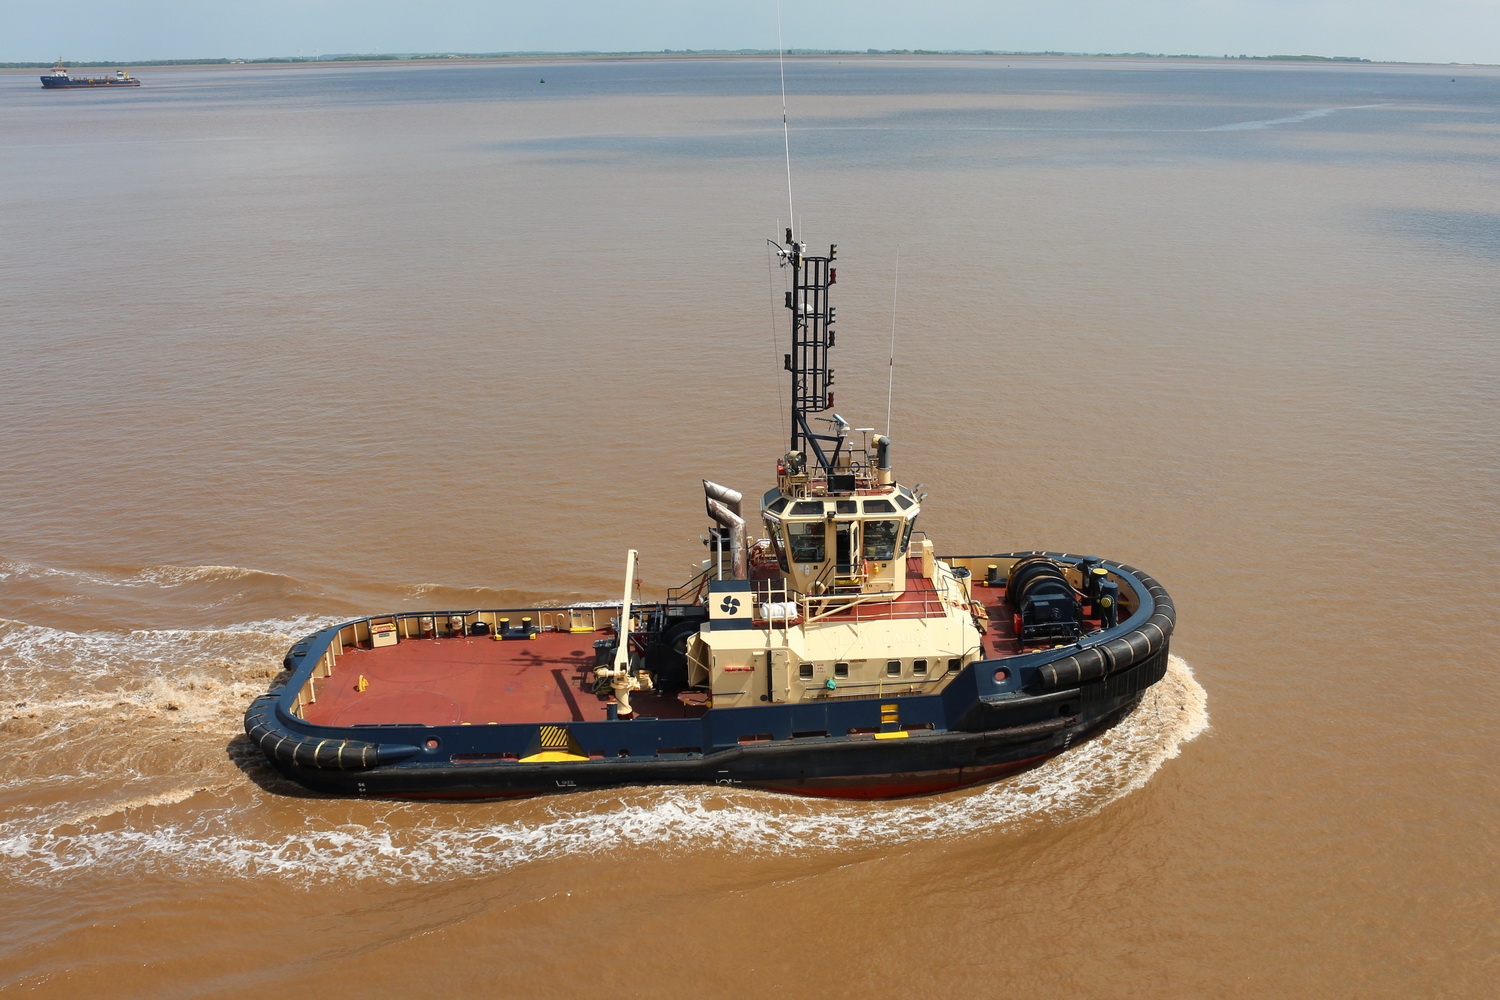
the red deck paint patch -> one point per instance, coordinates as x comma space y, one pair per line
476, 680
423, 708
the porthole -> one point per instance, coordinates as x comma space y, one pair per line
893, 668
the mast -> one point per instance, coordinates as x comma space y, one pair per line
812, 336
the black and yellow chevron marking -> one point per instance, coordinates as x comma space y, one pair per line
554, 745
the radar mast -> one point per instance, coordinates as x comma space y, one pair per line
813, 318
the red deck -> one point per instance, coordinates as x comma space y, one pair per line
471, 679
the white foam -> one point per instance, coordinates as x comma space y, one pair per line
343, 839
103, 810
1289, 120
19, 569
108, 701
176, 576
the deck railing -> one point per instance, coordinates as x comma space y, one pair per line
912, 604
423, 624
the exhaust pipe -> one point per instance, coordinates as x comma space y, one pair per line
739, 554
730, 498
883, 460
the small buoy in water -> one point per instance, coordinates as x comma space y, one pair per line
544, 79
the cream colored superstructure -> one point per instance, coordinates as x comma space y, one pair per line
852, 608
867, 658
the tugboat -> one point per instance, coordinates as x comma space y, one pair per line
59, 79
839, 655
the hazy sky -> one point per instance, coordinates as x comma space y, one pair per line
1405, 30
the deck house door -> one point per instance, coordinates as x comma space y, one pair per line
781, 675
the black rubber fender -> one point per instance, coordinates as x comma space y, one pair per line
1122, 652
298, 750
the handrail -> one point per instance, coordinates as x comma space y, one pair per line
694, 586
928, 604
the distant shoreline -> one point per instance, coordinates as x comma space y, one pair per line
686, 55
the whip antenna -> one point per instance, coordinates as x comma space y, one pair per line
890, 383
785, 133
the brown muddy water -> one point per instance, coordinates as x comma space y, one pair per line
286, 347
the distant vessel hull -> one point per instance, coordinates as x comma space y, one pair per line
61, 81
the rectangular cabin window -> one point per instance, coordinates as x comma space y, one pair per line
840, 670
893, 668
807, 541
805, 671
919, 667
880, 540
953, 666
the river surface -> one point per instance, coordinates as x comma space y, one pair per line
286, 346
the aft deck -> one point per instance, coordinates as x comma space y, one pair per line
472, 680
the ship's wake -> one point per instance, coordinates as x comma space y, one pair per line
183, 813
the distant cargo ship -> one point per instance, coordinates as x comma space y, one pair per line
59, 78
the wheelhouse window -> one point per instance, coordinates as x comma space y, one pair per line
880, 540
773, 532
807, 541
